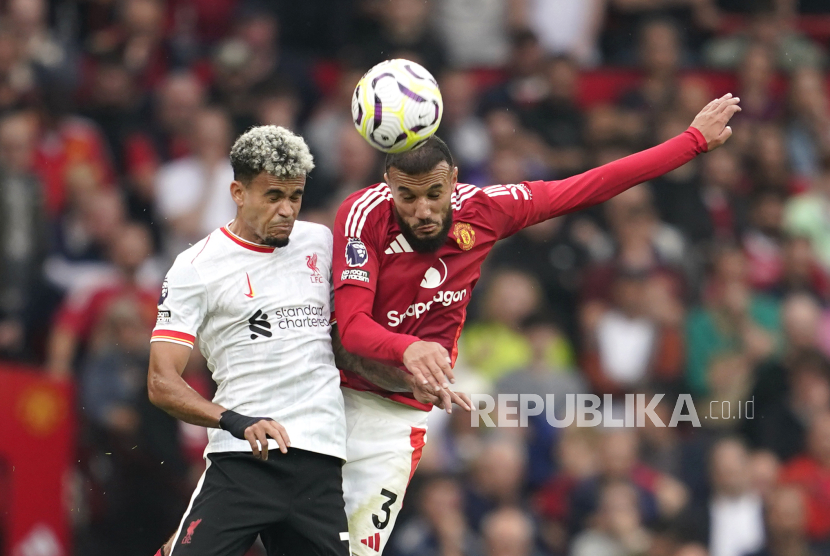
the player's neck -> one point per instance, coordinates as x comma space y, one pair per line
240, 230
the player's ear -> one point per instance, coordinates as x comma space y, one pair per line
385, 178
454, 177
237, 192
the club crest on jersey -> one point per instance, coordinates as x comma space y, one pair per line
465, 235
356, 254
311, 262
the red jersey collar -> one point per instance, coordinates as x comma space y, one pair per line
246, 244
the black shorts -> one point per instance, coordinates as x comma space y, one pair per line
294, 501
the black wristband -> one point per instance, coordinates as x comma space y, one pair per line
236, 424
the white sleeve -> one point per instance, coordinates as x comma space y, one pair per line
182, 306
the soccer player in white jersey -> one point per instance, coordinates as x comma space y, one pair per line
257, 294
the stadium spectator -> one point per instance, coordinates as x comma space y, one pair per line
496, 480
121, 425
733, 321
83, 310
508, 532
441, 528
23, 236
801, 273
811, 472
808, 126
565, 28
772, 29
730, 521
617, 527
404, 32
526, 84
781, 418
558, 119
462, 129
192, 193
474, 38
643, 319
805, 214
494, 346
786, 523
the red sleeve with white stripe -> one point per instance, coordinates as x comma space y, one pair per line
357, 227
182, 305
356, 248
529, 203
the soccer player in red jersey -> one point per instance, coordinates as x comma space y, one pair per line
407, 254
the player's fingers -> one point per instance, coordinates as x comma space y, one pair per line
279, 434
446, 402
419, 375
263, 441
727, 105
439, 365
249, 436
435, 376
461, 399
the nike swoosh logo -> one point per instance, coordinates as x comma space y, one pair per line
250, 293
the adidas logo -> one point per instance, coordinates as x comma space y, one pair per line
399, 245
372, 542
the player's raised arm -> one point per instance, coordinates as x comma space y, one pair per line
708, 131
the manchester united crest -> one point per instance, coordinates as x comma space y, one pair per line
465, 235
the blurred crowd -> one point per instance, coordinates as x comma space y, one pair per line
116, 118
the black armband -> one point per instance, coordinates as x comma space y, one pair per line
236, 424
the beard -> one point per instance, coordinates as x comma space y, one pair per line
429, 244
276, 241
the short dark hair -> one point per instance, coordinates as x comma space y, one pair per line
422, 159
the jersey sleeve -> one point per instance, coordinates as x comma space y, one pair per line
517, 206
355, 258
356, 265
182, 306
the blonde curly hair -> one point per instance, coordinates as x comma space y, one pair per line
272, 149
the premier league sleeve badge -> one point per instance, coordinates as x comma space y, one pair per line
356, 254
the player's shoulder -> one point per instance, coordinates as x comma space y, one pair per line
370, 204
491, 195
198, 255
311, 232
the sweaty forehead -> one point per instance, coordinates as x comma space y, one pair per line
439, 174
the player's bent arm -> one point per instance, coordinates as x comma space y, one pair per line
389, 378
168, 390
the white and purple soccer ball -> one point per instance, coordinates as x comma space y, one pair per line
397, 105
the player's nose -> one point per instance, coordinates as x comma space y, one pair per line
423, 210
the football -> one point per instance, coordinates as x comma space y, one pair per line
397, 105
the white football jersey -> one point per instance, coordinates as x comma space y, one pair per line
262, 316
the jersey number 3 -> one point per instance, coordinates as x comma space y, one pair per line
392, 498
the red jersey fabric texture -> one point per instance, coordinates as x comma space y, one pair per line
388, 296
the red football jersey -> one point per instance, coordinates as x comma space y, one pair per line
388, 296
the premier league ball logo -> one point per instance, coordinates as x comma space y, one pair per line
356, 254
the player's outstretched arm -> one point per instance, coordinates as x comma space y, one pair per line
535, 202
168, 391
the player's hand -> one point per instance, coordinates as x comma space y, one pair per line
255, 429
443, 399
260, 432
711, 121
429, 362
